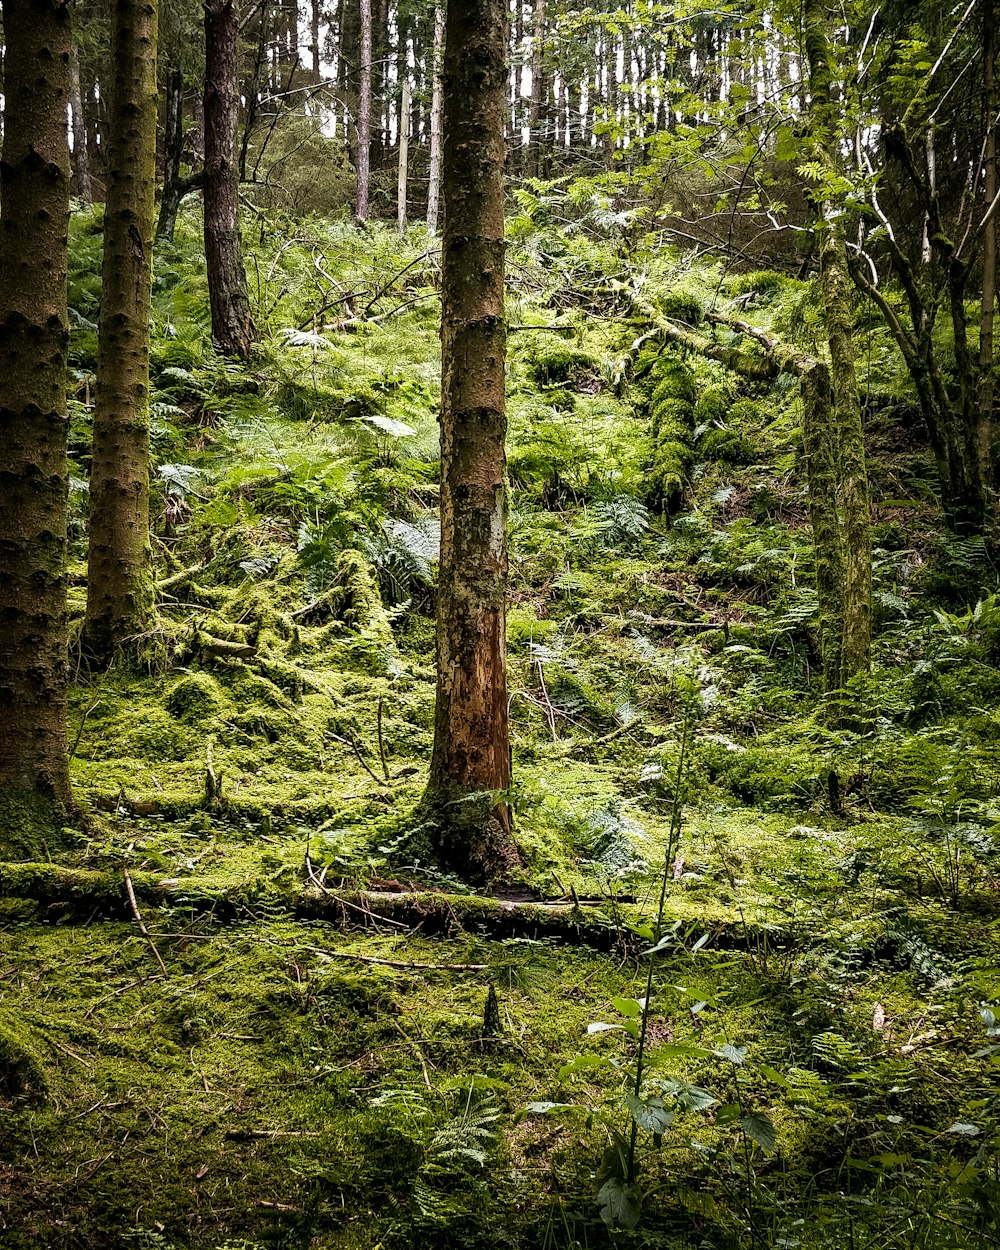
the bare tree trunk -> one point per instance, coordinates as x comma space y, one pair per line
34, 331
314, 14
537, 115
434, 179
404, 140
232, 324
120, 599
80, 157
989, 287
470, 763
364, 112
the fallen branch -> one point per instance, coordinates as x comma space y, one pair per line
130, 891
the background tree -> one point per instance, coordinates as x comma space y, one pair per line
470, 762
119, 579
232, 323
34, 211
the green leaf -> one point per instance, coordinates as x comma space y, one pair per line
760, 1129
964, 1130
627, 1006
735, 1054
650, 1114
581, 1063
728, 1113
548, 1108
620, 1203
775, 1076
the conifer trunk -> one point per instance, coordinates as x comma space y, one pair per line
471, 756
34, 332
232, 324
120, 597
989, 282
364, 112
434, 180
537, 114
80, 158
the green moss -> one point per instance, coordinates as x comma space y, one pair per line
32, 827
196, 699
22, 1072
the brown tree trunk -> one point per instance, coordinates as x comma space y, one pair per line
989, 285
470, 763
80, 157
34, 332
232, 325
404, 152
120, 598
364, 112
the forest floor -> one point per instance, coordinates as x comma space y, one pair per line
235, 1015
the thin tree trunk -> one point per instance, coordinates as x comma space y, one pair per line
536, 118
364, 112
314, 50
34, 332
470, 762
120, 598
989, 293
404, 140
434, 179
852, 488
232, 324
80, 158
173, 152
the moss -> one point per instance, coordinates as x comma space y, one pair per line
32, 827
196, 698
560, 364
22, 1072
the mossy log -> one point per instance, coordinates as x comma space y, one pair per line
80, 895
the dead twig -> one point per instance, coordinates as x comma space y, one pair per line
130, 891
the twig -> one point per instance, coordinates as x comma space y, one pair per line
130, 891
550, 715
79, 733
344, 902
349, 742
388, 963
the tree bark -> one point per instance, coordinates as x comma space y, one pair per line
536, 117
80, 157
232, 325
989, 283
404, 141
470, 762
364, 112
120, 595
434, 177
34, 331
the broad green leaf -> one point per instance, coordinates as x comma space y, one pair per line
759, 1129
620, 1203
964, 1130
627, 1006
735, 1054
650, 1114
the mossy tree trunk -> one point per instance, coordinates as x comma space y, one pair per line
34, 214
847, 454
363, 168
232, 325
820, 444
470, 763
120, 596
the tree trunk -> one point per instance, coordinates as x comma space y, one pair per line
34, 332
232, 324
120, 598
404, 141
470, 762
989, 287
80, 158
173, 152
364, 111
434, 178
849, 455
537, 117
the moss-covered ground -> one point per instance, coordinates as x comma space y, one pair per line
226, 1066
